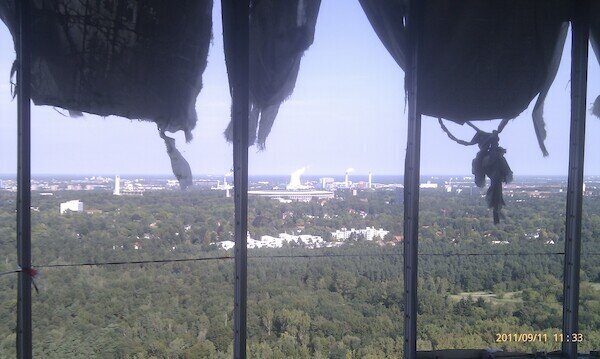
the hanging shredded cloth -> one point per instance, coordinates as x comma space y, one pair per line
596, 107
280, 33
489, 162
179, 165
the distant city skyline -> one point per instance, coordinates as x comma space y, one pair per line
347, 110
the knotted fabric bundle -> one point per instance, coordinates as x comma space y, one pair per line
489, 162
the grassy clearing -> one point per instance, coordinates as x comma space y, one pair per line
509, 297
594, 285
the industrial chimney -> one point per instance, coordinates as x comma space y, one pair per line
117, 190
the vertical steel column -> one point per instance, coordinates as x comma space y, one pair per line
24, 343
579, 62
412, 164
236, 25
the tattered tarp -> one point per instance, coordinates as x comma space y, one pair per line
478, 60
136, 59
280, 32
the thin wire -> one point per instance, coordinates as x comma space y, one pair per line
324, 255
489, 254
400, 254
9, 272
93, 264
330, 255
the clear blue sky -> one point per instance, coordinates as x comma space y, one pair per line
347, 111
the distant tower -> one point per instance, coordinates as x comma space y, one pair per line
117, 191
346, 181
227, 194
370, 180
228, 174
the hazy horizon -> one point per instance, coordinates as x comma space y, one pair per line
347, 110
309, 175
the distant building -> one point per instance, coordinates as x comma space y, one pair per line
73, 206
429, 185
304, 196
500, 242
226, 245
369, 233
295, 191
326, 182
303, 240
225, 186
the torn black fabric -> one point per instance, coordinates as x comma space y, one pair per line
136, 59
280, 33
595, 40
478, 60
387, 19
539, 125
179, 165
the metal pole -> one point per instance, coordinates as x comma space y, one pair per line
411, 192
24, 343
579, 63
236, 29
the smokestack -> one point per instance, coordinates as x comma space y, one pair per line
230, 173
346, 181
117, 191
370, 180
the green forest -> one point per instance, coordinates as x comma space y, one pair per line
345, 306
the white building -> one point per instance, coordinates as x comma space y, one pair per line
428, 185
73, 206
326, 182
369, 233
303, 240
303, 196
226, 245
